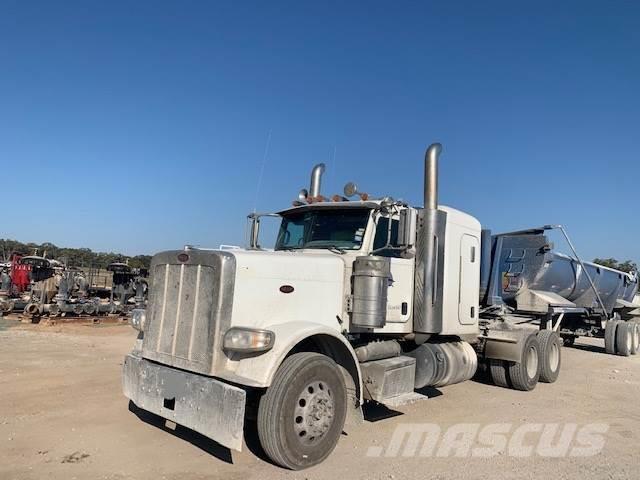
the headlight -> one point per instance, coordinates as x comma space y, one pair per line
248, 340
138, 318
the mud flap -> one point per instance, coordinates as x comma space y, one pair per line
505, 345
204, 404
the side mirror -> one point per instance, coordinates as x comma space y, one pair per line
407, 227
254, 233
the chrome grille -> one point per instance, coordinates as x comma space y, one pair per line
188, 304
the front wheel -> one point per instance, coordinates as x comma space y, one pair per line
300, 417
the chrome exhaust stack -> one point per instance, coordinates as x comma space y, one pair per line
428, 287
431, 157
316, 180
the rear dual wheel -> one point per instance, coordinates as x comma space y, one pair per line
622, 337
498, 370
523, 375
610, 336
635, 348
550, 355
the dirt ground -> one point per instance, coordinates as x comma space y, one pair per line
63, 416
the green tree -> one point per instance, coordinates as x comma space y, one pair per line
626, 266
140, 261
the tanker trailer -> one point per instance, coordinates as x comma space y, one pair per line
523, 277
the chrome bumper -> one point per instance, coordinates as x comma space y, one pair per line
208, 406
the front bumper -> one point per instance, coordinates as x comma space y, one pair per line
211, 407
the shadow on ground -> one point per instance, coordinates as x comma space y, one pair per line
588, 348
196, 439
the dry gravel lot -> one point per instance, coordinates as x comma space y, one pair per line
63, 416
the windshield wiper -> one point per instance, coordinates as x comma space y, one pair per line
332, 247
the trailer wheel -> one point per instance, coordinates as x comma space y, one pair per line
524, 375
300, 417
498, 369
624, 338
610, 336
635, 337
550, 355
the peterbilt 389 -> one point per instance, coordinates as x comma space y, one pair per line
360, 300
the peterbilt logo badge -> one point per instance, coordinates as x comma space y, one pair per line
183, 257
286, 289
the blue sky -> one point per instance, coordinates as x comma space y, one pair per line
137, 127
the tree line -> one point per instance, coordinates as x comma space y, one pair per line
72, 257
626, 266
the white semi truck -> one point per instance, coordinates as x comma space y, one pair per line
360, 300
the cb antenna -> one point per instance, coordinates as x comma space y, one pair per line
264, 161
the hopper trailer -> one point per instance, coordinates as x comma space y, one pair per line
522, 277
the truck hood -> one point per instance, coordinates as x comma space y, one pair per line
277, 287
312, 265
197, 295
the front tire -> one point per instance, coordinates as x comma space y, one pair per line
301, 416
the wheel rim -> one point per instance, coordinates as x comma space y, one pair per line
532, 362
314, 413
554, 356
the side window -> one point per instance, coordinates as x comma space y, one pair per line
292, 232
380, 240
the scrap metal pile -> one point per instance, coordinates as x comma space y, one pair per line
39, 286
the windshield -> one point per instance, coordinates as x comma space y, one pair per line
322, 228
